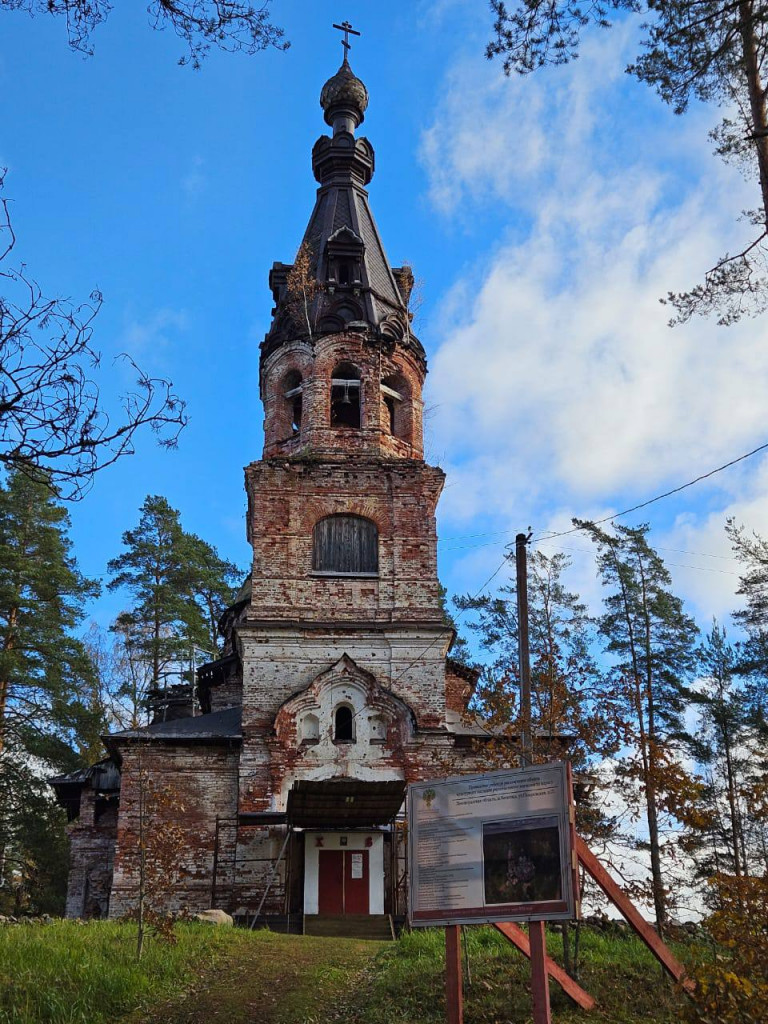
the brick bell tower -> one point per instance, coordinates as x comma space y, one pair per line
341, 506
343, 643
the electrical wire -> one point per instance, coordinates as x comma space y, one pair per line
577, 529
660, 497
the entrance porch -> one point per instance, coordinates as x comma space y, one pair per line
350, 851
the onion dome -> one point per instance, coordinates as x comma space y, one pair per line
344, 94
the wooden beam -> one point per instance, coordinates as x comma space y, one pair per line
518, 938
542, 1014
454, 996
620, 900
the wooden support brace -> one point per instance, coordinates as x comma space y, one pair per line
647, 933
518, 938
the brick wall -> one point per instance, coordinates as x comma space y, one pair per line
92, 851
204, 779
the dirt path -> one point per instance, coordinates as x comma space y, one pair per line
269, 979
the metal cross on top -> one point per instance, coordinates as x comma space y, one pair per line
348, 31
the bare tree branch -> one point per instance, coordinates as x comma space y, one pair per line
232, 25
52, 418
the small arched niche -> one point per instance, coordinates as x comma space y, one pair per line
344, 724
378, 729
310, 728
345, 545
346, 404
396, 407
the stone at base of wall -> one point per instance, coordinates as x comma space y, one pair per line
214, 916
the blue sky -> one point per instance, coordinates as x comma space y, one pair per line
544, 216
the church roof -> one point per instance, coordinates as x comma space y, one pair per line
217, 726
368, 293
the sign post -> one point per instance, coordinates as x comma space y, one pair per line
539, 976
492, 848
454, 994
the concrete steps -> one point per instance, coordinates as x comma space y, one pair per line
349, 926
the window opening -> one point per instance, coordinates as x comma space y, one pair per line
296, 414
345, 396
345, 544
397, 410
293, 397
389, 402
343, 273
343, 730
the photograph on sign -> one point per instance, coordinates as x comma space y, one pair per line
491, 847
521, 860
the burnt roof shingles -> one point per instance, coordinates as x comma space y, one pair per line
219, 725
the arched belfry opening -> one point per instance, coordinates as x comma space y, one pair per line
346, 399
396, 407
292, 393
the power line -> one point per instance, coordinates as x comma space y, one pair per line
635, 508
677, 565
449, 629
666, 494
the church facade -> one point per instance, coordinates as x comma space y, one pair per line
335, 688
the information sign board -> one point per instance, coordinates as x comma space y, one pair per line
492, 847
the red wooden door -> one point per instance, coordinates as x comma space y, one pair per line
343, 882
331, 882
356, 882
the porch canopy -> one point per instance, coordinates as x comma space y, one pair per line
343, 803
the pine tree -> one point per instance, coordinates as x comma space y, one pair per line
719, 746
567, 696
45, 672
47, 716
212, 583
652, 643
151, 569
180, 587
752, 551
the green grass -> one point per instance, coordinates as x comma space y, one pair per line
406, 983
72, 973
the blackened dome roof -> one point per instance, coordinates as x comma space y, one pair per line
344, 91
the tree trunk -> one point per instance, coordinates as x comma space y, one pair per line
757, 104
659, 897
5, 684
732, 805
567, 964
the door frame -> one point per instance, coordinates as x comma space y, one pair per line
373, 842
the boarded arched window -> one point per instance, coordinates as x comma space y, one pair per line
345, 544
343, 726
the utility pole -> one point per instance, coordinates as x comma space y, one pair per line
521, 564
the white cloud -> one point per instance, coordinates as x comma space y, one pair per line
558, 385
149, 337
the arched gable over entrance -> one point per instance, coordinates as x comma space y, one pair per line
344, 718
